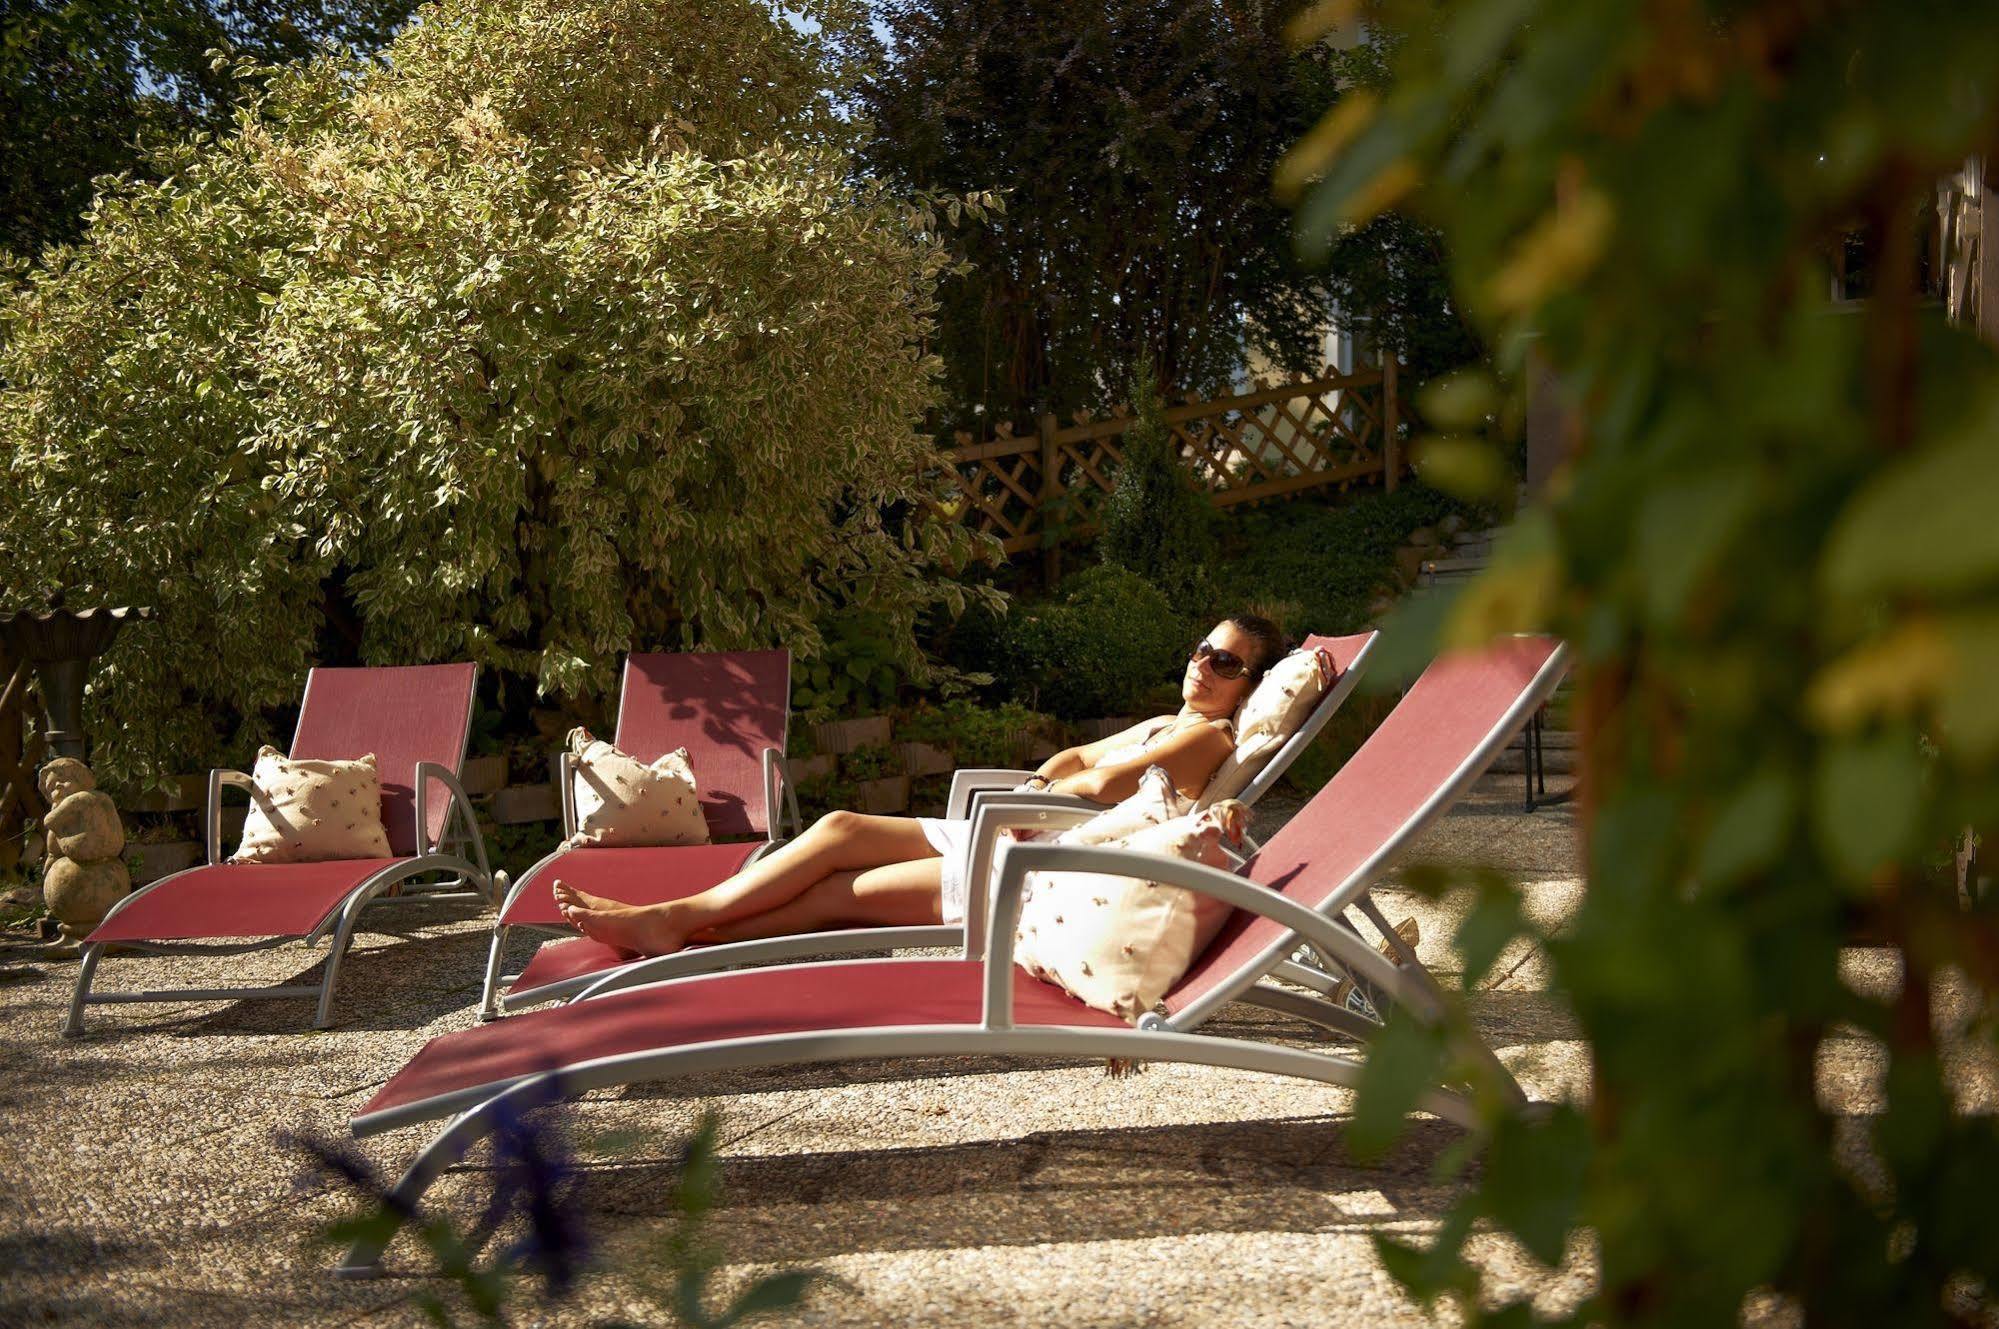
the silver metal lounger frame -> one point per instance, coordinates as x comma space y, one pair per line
972, 788
780, 800
1154, 1039
463, 879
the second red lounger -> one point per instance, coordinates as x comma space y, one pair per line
415, 719
729, 709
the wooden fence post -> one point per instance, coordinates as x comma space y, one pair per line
1391, 425
1051, 489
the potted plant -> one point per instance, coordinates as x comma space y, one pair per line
879, 782
993, 735
803, 761
824, 794
923, 737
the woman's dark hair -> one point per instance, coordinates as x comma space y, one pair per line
1271, 644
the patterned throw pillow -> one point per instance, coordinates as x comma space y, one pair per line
1269, 716
1120, 943
1156, 801
308, 811
624, 802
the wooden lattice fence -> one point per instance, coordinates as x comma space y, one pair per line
1335, 429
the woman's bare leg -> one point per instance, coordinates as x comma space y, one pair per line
896, 895
837, 842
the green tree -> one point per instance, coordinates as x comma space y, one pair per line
1154, 522
1388, 277
83, 83
1133, 143
1775, 555
563, 328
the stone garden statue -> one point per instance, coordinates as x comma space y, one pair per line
85, 872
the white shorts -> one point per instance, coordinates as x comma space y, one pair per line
952, 840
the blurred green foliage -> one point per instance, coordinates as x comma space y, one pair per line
1776, 556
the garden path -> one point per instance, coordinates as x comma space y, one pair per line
143, 1183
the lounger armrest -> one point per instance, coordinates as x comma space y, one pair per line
1038, 797
1017, 860
966, 782
780, 797
220, 778
995, 815
460, 805
565, 790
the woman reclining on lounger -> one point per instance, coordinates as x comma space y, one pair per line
855, 870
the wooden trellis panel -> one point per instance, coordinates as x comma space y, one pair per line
1330, 430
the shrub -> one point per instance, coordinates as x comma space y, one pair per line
855, 674
976, 734
1104, 640
1154, 522
1317, 567
524, 344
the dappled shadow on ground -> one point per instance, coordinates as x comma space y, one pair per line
1130, 1183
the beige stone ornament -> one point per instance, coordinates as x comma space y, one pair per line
85, 874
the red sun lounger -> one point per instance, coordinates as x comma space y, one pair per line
564, 968
729, 710
1424, 756
415, 719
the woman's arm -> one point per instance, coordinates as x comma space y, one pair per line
1191, 757
1069, 761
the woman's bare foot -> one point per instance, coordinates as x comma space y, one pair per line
648, 929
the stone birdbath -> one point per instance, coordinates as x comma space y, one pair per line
84, 873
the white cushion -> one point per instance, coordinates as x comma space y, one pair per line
624, 802
1118, 943
1269, 716
309, 811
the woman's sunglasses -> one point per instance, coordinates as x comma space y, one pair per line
1226, 664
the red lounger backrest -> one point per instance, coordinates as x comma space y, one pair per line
404, 714
1344, 650
1438, 739
725, 708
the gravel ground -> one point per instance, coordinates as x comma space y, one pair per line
144, 1179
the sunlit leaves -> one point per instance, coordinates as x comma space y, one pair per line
1774, 547
1867, 796
1557, 250
525, 339
1948, 493
1404, 1061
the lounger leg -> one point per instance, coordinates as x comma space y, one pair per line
1336, 1019
364, 1257
489, 996
336, 951
1415, 972
85, 975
